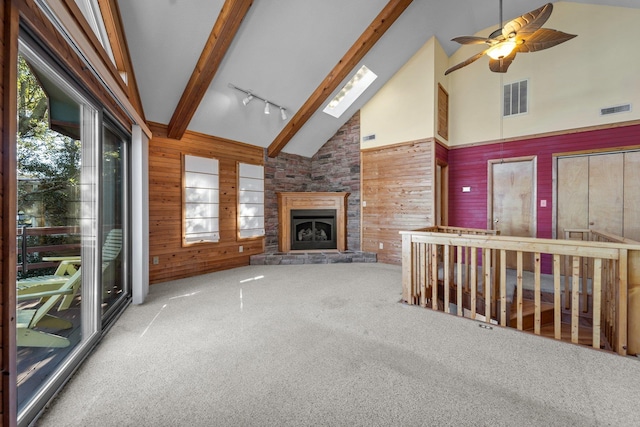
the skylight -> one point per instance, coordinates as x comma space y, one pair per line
350, 92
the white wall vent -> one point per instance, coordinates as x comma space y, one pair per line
516, 98
617, 109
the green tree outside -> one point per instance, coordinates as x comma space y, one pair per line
48, 161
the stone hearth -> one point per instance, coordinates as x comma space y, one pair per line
315, 257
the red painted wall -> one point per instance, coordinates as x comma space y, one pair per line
468, 167
442, 153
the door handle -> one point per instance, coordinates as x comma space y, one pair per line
495, 220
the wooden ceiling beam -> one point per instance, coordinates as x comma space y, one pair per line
222, 34
354, 55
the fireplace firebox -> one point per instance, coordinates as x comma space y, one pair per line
313, 229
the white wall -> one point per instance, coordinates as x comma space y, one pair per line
441, 64
568, 84
403, 109
139, 215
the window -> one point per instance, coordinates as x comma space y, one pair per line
516, 99
250, 201
91, 11
201, 200
350, 92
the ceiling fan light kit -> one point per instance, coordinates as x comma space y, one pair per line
501, 50
521, 35
267, 104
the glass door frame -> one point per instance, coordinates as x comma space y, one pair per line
111, 314
93, 322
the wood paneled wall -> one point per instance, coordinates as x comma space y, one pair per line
165, 206
397, 194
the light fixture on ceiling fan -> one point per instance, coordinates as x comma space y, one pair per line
521, 35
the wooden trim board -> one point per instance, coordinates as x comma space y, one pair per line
315, 200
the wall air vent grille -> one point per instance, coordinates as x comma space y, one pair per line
516, 98
617, 109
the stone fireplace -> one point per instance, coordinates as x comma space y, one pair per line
312, 221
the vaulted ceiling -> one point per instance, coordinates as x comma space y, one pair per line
294, 53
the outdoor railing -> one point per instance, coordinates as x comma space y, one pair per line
446, 268
27, 247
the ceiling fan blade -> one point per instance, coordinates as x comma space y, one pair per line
501, 65
472, 40
544, 38
529, 22
467, 62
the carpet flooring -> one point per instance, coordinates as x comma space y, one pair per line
330, 345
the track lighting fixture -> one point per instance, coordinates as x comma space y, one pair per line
267, 104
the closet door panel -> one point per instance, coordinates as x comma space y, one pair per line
606, 192
632, 195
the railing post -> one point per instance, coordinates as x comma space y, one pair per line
537, 297
621, 307
596, 293
407, 277
633, 315
433, 277
488, 284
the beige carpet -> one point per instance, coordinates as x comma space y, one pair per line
330, 345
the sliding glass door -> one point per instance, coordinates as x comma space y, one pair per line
115, 289
73, 215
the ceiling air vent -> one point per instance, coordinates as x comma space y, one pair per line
369, 137
617, 109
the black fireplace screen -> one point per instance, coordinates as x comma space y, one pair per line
313, 229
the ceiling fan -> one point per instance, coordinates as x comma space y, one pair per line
521, 35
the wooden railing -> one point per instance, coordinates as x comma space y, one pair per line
633, 281
25, 247
471, 272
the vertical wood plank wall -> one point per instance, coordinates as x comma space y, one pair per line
397, 187
165, 206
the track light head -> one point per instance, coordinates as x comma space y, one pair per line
247, 99
283, 115
266, 107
